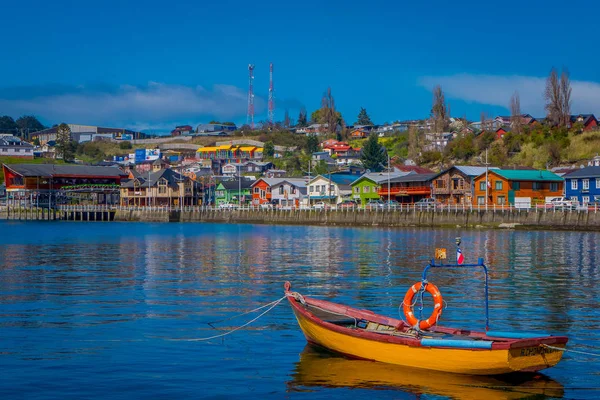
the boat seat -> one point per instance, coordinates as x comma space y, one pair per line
347, 321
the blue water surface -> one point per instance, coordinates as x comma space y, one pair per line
112, 310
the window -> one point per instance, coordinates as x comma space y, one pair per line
357, 189
440, 184
331, 188
501, 200
585, 184
4, 150
482, 186
516, 185
323, 188
585, 199
498, 185
554, 186
597, 183
537, 186
257, 189
573, 184
17, 150
367, 189
480, 200
281, 191
162, 187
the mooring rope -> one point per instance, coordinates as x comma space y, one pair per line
273, 305
571, 351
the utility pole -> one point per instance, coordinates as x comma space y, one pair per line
239, 186
487, 182
389, 194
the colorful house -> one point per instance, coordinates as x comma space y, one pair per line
367, 187
330, 188
506, 185
290, 192
234, 191
261, 190
455, 185
583, 185
408, 189
589, 121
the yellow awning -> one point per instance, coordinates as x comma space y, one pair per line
206, 149
247, 148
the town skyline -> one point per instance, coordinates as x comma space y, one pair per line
156, 69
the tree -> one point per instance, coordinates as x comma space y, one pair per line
36, 141
302, 122
28, 124
312, 144
413, 142
8, 125
515, 113
558, 98
373, 157
64, 146
269, 149
125, 145
363, 118
286, 119
439, 110
565, 90
327, 113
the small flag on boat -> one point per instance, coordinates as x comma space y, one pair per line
459, 257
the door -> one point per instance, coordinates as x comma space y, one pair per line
511, 197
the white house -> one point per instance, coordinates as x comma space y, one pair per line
333, 190
290, 192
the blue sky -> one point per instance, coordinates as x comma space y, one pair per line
151, 65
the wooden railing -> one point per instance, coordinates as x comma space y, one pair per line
383, 190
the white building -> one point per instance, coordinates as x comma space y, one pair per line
289, 192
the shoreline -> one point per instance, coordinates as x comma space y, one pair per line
458, 218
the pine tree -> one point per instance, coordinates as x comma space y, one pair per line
363, 118
63, 142
312, 144
302, 122
373, 156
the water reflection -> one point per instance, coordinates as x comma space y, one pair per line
322, 369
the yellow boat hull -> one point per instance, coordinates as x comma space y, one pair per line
455, 360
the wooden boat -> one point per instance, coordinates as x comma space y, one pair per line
423, 344
318, 368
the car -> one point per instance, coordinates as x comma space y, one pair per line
561, 203
392, 205
319, 206
348, 204
426, 204
266, 206
228, 206
375, 205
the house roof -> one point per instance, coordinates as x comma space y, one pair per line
269, 181
586, 118
587, 172
413, 178
13, 141
50, 170
527, 175
152, 178
379, 177
468, 170
298, 182
234, 184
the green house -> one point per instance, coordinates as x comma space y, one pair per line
368, 185
365, 189
229, 191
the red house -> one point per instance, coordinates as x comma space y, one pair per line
261, 191
589, 121
500, 132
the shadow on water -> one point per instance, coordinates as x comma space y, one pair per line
318, 367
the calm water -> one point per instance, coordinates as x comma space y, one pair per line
91, 309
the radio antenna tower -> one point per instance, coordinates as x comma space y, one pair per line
250, 115
271, 100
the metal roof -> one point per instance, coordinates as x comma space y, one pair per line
587, 172
50, 170
527, 175
472, 170
413, 178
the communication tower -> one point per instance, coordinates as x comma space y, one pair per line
250, 115
271, 99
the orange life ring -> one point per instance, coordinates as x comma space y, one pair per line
437, 305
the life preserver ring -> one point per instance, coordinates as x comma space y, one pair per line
437, 305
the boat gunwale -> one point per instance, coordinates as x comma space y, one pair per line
497, 343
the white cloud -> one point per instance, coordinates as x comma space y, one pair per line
153, 106
497, 90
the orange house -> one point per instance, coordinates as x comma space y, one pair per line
261, 191
504, 185
358, 134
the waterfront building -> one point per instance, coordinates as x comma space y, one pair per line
456, 185
50, 184
330, 188
11, 146
583, 185
289, 192
504, 186
367, 187
160, 187
408, 188
234, 191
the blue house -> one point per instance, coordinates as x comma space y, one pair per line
583, 185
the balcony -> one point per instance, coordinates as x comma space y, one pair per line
401, 191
